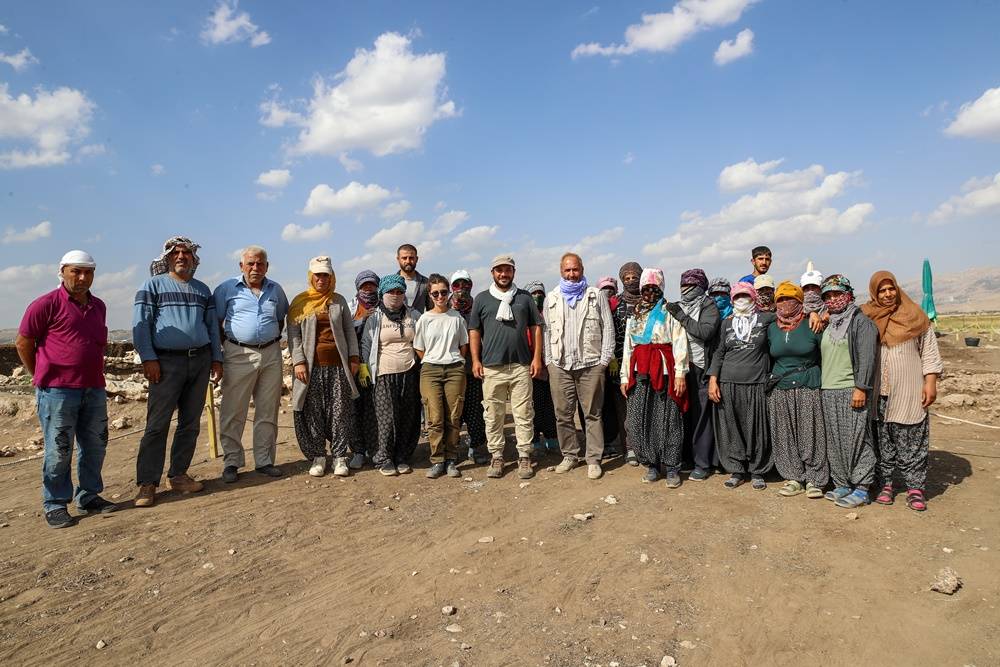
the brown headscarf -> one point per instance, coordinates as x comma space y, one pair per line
897, 323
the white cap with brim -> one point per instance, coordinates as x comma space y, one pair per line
811, 276
461, 274
763, 280
77, 258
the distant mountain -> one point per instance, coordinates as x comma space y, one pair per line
7, 336
966, 291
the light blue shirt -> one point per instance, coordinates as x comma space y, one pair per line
247, 317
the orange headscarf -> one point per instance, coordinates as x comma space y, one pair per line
311, 301
899, 322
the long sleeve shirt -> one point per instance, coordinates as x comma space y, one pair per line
702, 331
171, 314
668, 331
579, 336
742, 362
248, 318
903, 369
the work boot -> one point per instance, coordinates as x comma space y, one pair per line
146, 496
496, 468
184, 484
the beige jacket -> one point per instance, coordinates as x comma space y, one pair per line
578, 337
302, 346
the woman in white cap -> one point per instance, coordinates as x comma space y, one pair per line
764, 285
653, 378
324, 350
812, 303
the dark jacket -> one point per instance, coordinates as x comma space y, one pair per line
705, 329
422, 300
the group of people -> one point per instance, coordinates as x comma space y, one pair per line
740, 377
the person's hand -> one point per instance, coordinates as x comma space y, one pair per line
537, 368
302, 373
613, 366
625, 389
364, 375
714, 394
816, 323
858, 398
354, 365
151, 369
929, 392
216, 373
477, 369
680, 386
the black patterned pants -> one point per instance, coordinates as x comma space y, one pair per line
397, 416
327, 414
902, 449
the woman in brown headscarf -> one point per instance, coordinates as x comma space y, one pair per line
910, 366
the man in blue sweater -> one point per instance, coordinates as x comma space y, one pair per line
176, 334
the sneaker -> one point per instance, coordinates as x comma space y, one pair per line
631, 458
98, 505
698, 475
552, 444
340, 468
229, 474
403, 468
59, 518
496, 468
435, 471
318, 468
673, 479
524, 469
478, 456
567, 464
388, 469
652, 474
184, 484
146, 496
270, 470
451, 469
357, 462
593, 471
837, 493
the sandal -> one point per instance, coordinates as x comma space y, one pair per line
885, 496
758, 484
733, 481
837, 493
915, 500
856, 498
791, 488
813, 491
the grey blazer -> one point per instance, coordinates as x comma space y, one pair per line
302, 346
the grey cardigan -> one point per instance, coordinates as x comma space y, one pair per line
302, 345
370, 346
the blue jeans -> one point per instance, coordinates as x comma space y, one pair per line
67, 415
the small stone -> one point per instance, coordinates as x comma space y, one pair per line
380, 633
643, 558
558, 610
115, 496
611, 500
947, 550
101, 644
453, 628
486, 539
121, 423
586, 516
466, 479
523, 485
413, 617
150, 570
688, 644
348, 660
362, 634
448, 610
4, 525
550, 469
208, 566
124, 559
232, 552
465, 647
947, 582
851, 516
454, 570
369, 501
668, 661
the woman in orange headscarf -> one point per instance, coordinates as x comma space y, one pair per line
910, 366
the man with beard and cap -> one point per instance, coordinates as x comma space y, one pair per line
541, 397
472, 409
251, 310
176, 333
61, 343
579, 345
501, 356
760, 260
629, 274
764, 286
416, 282
364, 302
700, 318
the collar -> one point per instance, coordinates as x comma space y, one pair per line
418, 277
243, 280
67, 298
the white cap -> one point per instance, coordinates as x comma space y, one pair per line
763, 280
811, 276
320, 264
77, 258
461, 274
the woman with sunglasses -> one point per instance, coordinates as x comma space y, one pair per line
389, 358
441, 342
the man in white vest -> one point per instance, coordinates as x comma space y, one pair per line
580, 342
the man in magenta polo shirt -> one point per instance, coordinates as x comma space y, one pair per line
61, 342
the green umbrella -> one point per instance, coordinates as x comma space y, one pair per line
928, 301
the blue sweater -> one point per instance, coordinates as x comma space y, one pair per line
173, 315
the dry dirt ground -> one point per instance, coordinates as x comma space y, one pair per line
357, 570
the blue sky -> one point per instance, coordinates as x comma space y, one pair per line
860, 135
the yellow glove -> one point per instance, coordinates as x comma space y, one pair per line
613, 366
364, 376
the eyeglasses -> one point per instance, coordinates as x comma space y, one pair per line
439, 294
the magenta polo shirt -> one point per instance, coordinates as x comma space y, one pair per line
69, 338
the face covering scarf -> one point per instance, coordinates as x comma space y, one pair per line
744, 318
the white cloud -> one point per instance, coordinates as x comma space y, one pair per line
396, 210
476, 236
404, 231
294, 232
734, 49
789, 206
51, 122
19, 277
383, 101
979, 119
324, 200
449, 220
440, 206
350, 164
3, 29
157, 169
275, 178
269, 196
665, 31
92, 150
42, 230
629, 158
20, 60
226, 26
980, 197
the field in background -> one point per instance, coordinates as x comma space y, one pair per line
983, 325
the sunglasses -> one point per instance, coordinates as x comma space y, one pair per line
438, 294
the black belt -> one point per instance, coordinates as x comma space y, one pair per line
253, 345
190, 352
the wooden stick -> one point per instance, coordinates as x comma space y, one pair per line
213, 430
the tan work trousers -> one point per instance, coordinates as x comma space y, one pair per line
442, 389
500, 384
250, 372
